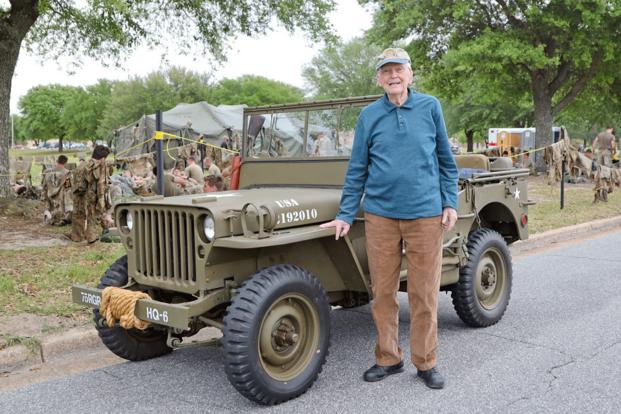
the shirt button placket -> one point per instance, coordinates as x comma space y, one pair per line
400, 120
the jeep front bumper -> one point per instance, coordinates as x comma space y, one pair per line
177, 315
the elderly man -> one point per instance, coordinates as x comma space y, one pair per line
401, 160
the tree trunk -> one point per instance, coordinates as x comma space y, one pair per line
14, 26
8, 60
60, 144
542, 101
469, 140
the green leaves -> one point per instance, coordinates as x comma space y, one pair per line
108, 28
254, 91
95, 111
43, 108
131, 99
343, 69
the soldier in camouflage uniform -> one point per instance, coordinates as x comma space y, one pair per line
56, 193
604, 146
91, 198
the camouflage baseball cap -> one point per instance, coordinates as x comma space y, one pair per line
392, 55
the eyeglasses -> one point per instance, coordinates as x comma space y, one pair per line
389, 70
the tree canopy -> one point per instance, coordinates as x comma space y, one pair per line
343, 69
94, 112
44, 108
253, 91
84, 111
163, 89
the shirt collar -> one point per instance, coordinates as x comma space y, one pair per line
408, 104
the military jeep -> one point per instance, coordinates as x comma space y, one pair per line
254, 262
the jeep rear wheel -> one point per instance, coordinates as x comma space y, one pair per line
276, 334
131, 344
482, 294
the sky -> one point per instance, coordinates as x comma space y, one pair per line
247, 56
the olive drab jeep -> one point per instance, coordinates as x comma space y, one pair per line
254, 262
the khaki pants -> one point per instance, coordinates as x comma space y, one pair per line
423, 245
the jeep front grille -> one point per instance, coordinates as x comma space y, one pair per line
165, 245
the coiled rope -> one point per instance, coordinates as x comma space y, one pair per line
117, 303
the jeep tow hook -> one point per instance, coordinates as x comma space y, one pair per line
177, 343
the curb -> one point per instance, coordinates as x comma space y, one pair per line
15, 357
564, 234
19, 356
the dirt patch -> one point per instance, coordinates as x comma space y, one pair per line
25, 325
21, 221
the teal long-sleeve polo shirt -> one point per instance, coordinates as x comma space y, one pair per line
401, 161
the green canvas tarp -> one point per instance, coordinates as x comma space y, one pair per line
188, 121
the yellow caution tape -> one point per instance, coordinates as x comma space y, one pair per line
134, 146
160, 135
530, 151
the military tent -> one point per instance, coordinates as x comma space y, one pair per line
187, 121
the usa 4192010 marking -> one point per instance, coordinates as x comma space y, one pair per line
297, 215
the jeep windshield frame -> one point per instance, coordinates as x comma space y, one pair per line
304, 131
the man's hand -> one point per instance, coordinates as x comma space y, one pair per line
449, 218
342, 228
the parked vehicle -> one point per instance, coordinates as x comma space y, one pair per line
254, 262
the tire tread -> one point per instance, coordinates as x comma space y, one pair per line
243, 311
463, 294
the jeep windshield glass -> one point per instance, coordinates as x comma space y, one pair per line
309, 130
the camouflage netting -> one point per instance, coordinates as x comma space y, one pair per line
139, 165
554, 156
19, 170
604, 178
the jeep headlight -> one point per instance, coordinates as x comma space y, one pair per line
125, 221
209, 228
129, 220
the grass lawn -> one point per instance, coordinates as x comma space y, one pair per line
579, 207
38, 280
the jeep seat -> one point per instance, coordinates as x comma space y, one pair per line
472, 161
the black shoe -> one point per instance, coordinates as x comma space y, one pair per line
378, 373
432, 378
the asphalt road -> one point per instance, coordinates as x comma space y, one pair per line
556, 350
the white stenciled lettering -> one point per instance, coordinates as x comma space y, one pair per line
154, 314
90, 299
289, 202
297, 215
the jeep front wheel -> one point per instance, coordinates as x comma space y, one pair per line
276, 334
482, 294
130, 344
